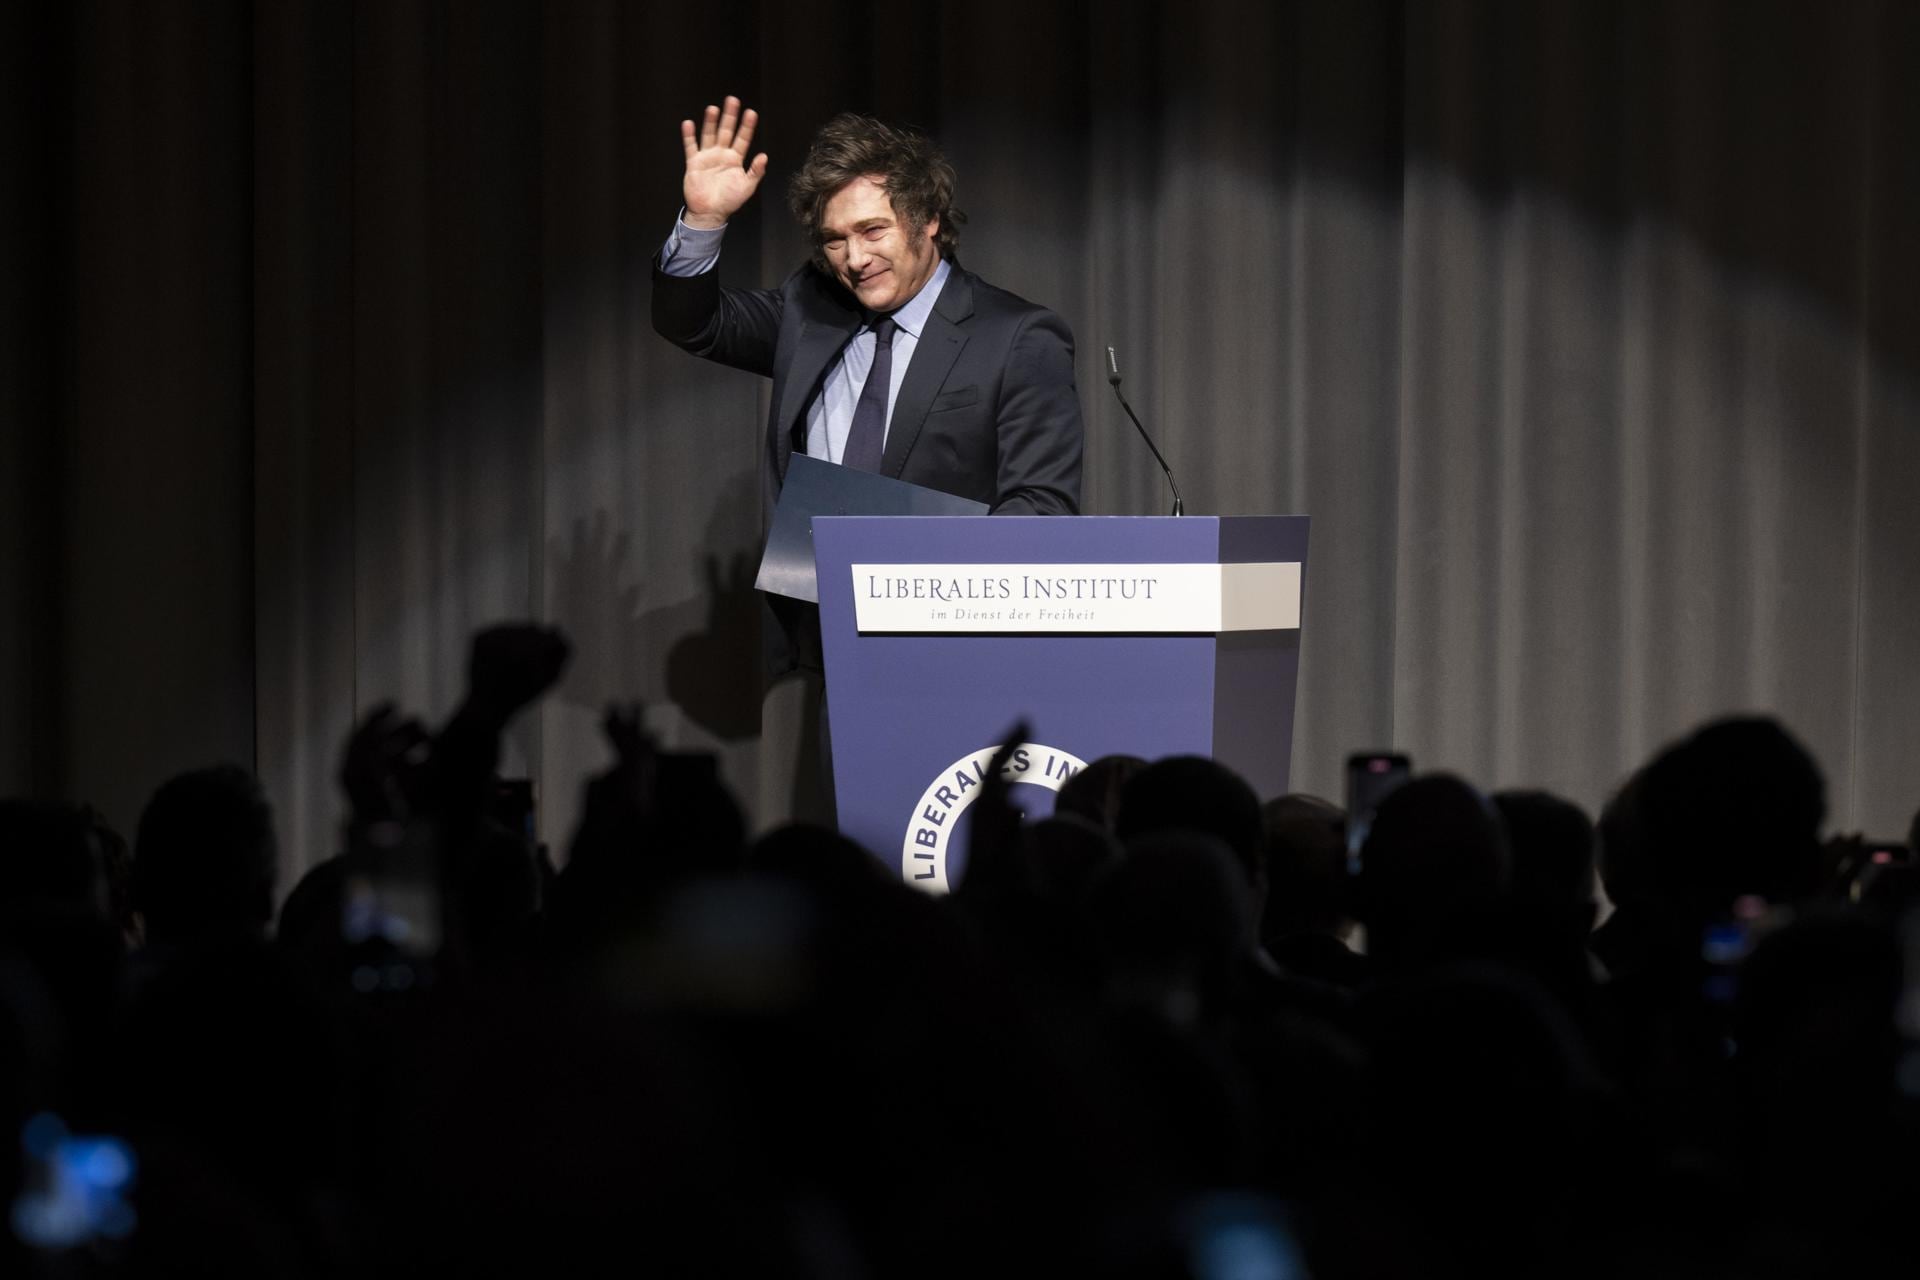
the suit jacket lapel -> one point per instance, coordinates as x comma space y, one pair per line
820, 342
942, 340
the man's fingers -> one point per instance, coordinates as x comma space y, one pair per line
724, 126
758, 169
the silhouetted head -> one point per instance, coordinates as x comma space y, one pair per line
1193, 793
1065, 855
1435, 862
626, 858
1733, 809
118, 859
1174, 917
50, 855
203, 862
1094, 792
1306, 861
1551, 842
696, 820
1620, 841
828, 862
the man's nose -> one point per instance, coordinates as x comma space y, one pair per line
857, 256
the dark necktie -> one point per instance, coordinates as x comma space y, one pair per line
867, 440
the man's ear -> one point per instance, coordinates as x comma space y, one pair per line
933, 231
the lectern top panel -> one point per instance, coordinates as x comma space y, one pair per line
1097, 539
815, 488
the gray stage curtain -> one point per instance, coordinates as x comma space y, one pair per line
1584, 330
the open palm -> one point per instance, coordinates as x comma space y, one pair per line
719, 180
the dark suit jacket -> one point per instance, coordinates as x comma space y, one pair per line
988, 409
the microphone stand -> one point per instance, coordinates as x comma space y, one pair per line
1113, 380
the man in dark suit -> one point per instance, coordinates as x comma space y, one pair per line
884, 353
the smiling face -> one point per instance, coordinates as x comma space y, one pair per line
871, 251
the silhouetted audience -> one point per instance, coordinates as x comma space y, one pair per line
1551, 844
1193, 793
54, 857
1139, 1039
1551, 841
1093, 794
1434, 874
1308, 913
204, 860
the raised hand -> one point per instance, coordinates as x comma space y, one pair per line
995, 865
511, 665
384, 750
719, 180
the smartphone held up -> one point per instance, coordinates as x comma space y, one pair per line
1372, 776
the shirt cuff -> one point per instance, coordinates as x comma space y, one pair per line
691, 251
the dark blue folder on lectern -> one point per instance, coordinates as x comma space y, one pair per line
1149, 636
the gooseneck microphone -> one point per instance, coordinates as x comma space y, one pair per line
1113, 380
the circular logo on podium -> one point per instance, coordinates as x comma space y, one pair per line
923, 852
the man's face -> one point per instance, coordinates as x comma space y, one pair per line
872, 252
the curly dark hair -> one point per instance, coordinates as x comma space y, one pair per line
916, 176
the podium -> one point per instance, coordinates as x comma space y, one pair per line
1149, 636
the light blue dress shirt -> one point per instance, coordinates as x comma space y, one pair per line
691, 251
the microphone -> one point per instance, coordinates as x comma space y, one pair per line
1113, 380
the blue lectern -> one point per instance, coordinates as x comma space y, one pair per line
1149, 636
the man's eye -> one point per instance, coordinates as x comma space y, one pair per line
833, 246
874, 233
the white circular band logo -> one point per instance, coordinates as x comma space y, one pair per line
923, 853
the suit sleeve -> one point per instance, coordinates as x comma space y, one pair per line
735, 327
1041, 435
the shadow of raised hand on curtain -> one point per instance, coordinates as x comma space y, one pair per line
713, 669
701, 653
594, 589
714, 673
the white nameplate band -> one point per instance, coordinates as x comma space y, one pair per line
1132, 598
